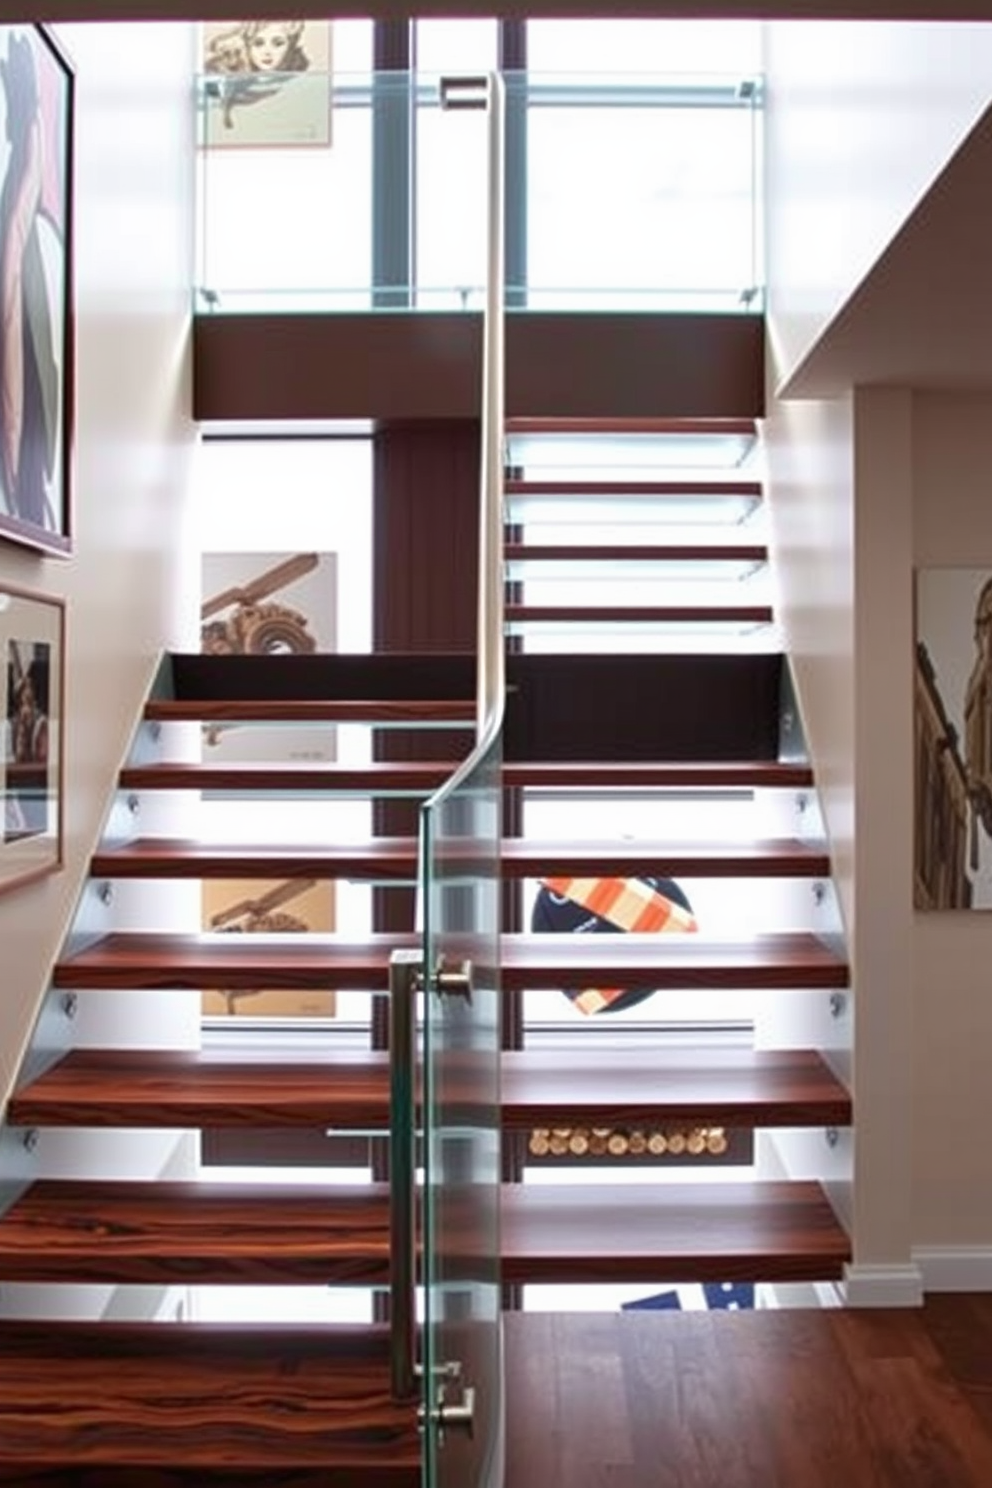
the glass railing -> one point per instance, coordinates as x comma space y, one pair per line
625, 192
457, 971
460, 898
462, 1342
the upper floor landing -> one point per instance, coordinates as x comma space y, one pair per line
342, 213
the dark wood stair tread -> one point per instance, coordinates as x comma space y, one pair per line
687, 486
669, 962
670, 1232
140, 961
215, 1087
414, 777
532, 857
188, 1233
423, 776
350, 1088
260, 1398
629, 553
309, 710
158, 960
174, 857
726, 1086
397, 858
524, 614
253, 1234
523, 423
594, 775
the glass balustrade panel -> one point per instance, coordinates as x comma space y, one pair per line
322, 190
461, 906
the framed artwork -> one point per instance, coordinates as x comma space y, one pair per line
268, 907
952, 725
266, 83
268, 604
32, 647
36, 351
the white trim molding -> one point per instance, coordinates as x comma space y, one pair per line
883, 1286
955, 1268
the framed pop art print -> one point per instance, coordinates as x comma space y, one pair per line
266, 83
36, 357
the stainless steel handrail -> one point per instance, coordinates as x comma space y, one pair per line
473, 92
490, 664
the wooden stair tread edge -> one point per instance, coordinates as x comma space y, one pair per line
304, 775
544, 857
162, 960
259, 1397
759, 614
219, 1087
197, 961
149, 1232
178, 857
549, 961
720, 1085
547, 774
674, 1232
152, 1232
313, 710
687, 486
725, 552
524, 423
227, 1088
580, 774
518, 857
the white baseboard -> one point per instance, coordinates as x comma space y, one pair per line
954, 1268
883, 1286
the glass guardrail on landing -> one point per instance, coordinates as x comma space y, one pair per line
625, 192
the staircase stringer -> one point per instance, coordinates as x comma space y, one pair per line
65, 1022
820, 1021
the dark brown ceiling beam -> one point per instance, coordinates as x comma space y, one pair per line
209, 10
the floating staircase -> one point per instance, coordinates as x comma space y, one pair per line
638, 585
291, 1404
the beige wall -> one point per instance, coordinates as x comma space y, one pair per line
808, 448
861, 117
840, 508
860, 121
880, 944
134, 196
952, 952
861, 491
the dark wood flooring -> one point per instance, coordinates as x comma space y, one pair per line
870, 1398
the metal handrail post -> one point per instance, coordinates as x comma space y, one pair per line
404, 980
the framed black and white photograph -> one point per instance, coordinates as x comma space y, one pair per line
32, 647
36, 358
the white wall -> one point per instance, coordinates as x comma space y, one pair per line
838, 494
123, 586
861, 493
952, 951
861, 118
810, 479
881, 939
